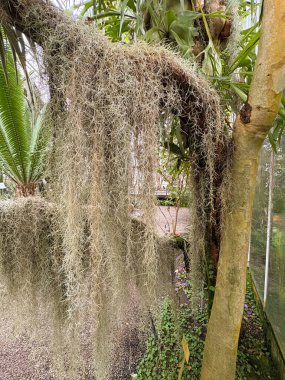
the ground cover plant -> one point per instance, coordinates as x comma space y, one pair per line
164, 350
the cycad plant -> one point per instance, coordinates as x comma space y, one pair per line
22, 143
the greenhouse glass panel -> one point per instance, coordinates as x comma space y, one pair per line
275, 304
259, 222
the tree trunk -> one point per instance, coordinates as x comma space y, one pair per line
255, 120
26, 189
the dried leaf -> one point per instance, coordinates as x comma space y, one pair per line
186, 350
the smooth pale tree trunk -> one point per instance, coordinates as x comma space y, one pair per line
252, 125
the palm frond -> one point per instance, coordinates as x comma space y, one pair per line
38, 148
22, 146
12, 119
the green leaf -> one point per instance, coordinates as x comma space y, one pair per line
245, 51
272, 142
21, 147
123, 9
183, 27
183, 31
12, 122
173, 148
38, 148
3, 53
241, 94
169, 17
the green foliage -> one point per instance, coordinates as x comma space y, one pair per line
254, 361
175, 166
12, 41
22, 144
171, 26
276, 133
178, 27
175, 171
194, 330
163, 351
236, 74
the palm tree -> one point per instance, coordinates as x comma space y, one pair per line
22, 142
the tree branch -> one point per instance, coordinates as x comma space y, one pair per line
269, 73
38, 25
